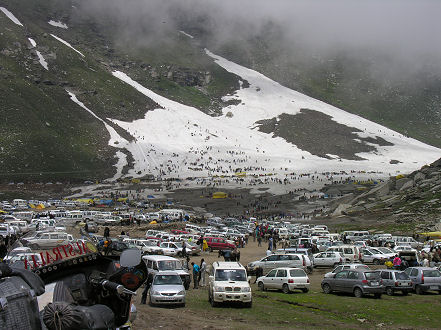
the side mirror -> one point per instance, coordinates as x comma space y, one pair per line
249, 279
130, 258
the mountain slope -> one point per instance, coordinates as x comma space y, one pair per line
79, 104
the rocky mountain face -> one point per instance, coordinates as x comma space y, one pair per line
414, 199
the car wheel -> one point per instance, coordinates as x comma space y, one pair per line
261, 286
377, 295
358, 293
376, 262
326, 288
183, 305
34, 246
210, 249
309, 270
405, 293
249, 304
285, 288
418, 290
213, 303
336, 264
389, 291
305, 290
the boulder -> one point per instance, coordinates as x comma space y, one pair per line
419, 177
401, 182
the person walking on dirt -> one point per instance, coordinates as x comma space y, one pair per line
196, 270
259, 240
202, 272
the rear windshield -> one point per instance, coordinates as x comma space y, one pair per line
401, 276
169, 265
362, 267
431, 273
297, 273
372, 275
348, 251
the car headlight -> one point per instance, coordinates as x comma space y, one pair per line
219, 289
156, 293
181, 293
246, 289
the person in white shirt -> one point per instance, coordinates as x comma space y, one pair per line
202, 272
268, 252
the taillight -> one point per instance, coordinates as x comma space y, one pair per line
341, 261
290, 281
364, 282
304, 263
396, 283
422, 279
355, 257
307, 280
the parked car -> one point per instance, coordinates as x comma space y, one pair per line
370, 255
167, 288
46, 240
278, 260
394, 280
347, 267
228, 282
174, 248
218, 243
358, 282
424, 279
328, 259
157, 264
285, 279
351, 252
309, 257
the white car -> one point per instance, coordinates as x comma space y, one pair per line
345, 267
285, 279
371, 255
403, 248
328, 259
173, 248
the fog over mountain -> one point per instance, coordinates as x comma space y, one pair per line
402, 29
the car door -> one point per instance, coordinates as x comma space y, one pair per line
386, 277
352, 280
269, 262
268, 280
367, 256
280, 279
319, 259
284, 261
339, 280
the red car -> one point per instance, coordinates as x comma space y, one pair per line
218, 243
178, 232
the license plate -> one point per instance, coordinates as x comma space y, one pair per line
433, 287
374, 283
167, 298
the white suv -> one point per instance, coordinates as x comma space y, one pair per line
229, 283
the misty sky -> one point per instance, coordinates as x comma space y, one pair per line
409, 28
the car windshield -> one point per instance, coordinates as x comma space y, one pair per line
169, 265
167, 280
372, 275
431, 273
361, 267
230, 275
297, 273
401, 276
384, 250
178, 244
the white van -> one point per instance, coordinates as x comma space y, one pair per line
350, 252
24, 215
156, 264
172, 214
355, 235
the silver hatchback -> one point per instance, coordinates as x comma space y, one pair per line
395, 280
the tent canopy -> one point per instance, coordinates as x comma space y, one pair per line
220, 194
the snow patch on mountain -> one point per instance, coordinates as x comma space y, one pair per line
10, 16
57, 24
42, 60
115, 139
186, 34
32, 42
67, 44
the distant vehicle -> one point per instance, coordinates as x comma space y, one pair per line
278, 260
347, 267
351, 252
45, 240
285, 279
328, 259
359, 282
218, 243
167, 288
